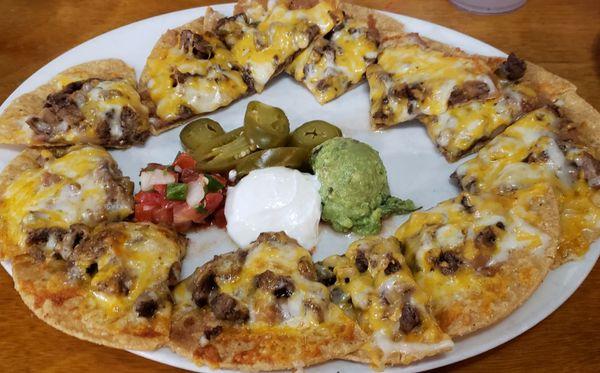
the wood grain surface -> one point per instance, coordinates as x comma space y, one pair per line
560, 35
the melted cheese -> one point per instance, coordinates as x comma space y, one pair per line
388, 346
103, 102
379, 317
281, 259
106, 101
450, 227
520, 233
329, 74
460, 129
78, 196
499, 167
408, 63
145, 253
214, 82
261, 50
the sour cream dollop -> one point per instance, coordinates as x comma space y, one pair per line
274, 199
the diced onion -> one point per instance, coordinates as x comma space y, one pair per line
148, 179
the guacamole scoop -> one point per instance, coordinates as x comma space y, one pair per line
354, 188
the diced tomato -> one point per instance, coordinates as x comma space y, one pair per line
163, 215
151, 204
143, 213
149, 198
185, 161
212, 201
183, 213
161, 188
219, 218
188, 175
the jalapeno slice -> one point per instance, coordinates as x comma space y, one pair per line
265, 126
199, 131
313, 133
291, 157
222, 153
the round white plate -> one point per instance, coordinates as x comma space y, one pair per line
416, 170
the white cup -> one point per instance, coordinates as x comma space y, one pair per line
489, 6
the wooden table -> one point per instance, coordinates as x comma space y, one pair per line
560, 35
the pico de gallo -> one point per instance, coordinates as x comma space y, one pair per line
179, 196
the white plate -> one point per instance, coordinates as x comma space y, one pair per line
416, 170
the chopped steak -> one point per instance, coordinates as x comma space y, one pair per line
361, 261
227, 308
470, 90
447, 262
486, 238
307, 269
280, 286
118, 284
512, 69
193, 43
203, 288
393, 266
410, 318
146, 307
64, 240
591, 169
213, 332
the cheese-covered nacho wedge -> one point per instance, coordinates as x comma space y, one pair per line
112, 289
465, 128
50, 197
337, 61
542, 147
189, 72
479, 257
414, 76
96, 102
260, 308
373, 284
263, 49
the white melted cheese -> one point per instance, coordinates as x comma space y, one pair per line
449, 236
388, 346
520, 235
274, 199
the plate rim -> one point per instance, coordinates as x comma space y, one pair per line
589, 259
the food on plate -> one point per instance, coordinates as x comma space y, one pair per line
549, 145
465, 128
93, 103
313, 133
223, 152
265, 126
290, 157
373, 284
50, 198
414, 76
479, 257
271, 200
189, 72
338, 60
112, 288
179, 196
354, 186
197, 132
260, 308
263, 141
530, 197
264, 48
